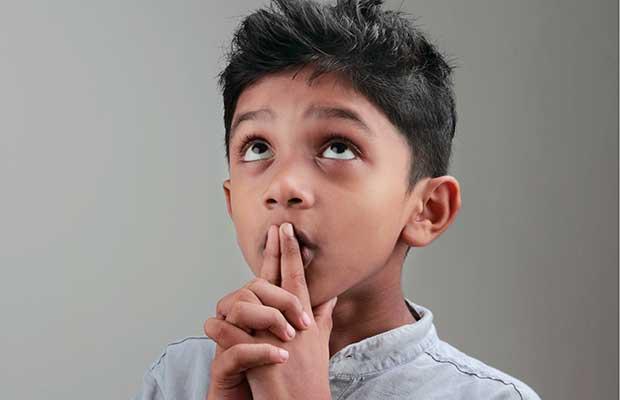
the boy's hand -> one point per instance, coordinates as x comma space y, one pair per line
228, 381
255, 306
306, 373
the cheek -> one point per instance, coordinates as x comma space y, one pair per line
253, 260
246, 236
360, 240
370, 225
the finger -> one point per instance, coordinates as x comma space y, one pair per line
323, 315
259, 291
227, 370
225, 304
226, 334
242, 357
291, 266
260, 317
270, 269
274, 296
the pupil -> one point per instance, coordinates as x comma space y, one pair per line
254, 148
341, 144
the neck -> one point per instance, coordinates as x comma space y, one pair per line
374, 306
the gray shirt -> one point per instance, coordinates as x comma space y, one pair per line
408, 362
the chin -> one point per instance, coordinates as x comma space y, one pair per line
319, 295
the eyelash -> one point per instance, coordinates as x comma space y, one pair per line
330, 137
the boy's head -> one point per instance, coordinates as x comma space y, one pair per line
339, 119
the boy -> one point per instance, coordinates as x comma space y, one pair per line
339, 122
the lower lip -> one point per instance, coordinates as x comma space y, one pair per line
306, 256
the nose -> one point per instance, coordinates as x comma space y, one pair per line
290, 187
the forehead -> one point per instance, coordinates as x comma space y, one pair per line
290, 94
298, 81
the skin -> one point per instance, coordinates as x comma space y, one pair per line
240, 354
353, 206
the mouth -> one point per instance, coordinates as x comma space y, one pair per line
307, 248
307, 255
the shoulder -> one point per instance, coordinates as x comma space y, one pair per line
183, 367
475, 378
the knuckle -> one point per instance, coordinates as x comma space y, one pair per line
251, 286
259, 281
236, 309
296, 276
270, 253
294, 308
239, 353
263, 350
219, 307
291, 247
246, 294
296, 304
253, 282
271, 352
235, 296
272, 280
213, 329
220, 331
277, 318
216, 368
233, 354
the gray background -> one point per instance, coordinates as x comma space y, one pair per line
115, 237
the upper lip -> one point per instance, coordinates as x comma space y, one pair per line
302, 238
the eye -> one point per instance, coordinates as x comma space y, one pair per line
339, 145
254, 147
255, 150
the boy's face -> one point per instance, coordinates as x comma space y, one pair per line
349, 199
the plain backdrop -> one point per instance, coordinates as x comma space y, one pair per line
115, 237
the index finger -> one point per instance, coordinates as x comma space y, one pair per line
292, 267
271, 257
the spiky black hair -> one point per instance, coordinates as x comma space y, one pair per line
383, 55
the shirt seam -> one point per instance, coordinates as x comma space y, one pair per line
344, 391
156, 363
463, 370
429, 343
364, 375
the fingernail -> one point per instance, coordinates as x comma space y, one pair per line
305, 319
288, 229
290, 331
283, 354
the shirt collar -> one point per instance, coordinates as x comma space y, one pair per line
387, 349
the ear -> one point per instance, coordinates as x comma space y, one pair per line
436, 203
226, 187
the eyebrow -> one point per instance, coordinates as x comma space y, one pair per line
314, 111
262, 114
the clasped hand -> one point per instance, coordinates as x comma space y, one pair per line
251, 326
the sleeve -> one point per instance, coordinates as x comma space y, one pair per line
150, 389
181, 372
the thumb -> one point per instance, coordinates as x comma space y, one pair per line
323, 314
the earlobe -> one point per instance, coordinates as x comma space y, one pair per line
417, 232
227, 194
435, 211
